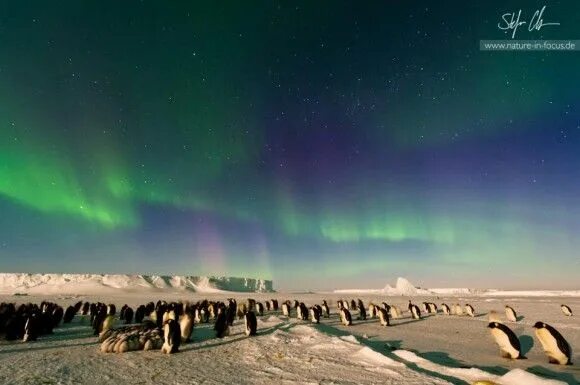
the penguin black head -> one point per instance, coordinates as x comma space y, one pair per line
539, 325
492, 325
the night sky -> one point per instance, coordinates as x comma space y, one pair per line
320, 144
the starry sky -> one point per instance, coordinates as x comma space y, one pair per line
319, 144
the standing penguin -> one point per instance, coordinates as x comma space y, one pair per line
510, 314
395, 312
221, 326
432, 308
415, 312
315, 315
372, 310
140, 314
286, 309
383, 316
362, 313
68, 315
31, 328
260, 308
469, 310
566, 310
325, 309
303, 311
509, 345
186, 326
345, 317
446, 309
555, 346
128, 315
231, 311
251, 323
172, 336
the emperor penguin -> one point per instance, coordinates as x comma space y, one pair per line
339, 305
231, 311
325, 309
383, 316
395, 311
68, 315
286, 309
415, 312
372, 310
425, 307
268, 305
458, 310
510, 314
140, 314
566, 310
509, 345
469, 310
172, 335
274, 305
446, 309
111, 309
555, 346
221, 326
186, 326
432, 308
108, 323
345, 317
315, 315
260, 308
128, 315
251, 323
352, 304
362, 313
31, 328
251, 304
386, 307
303, 311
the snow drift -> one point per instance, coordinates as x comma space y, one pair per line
110, 283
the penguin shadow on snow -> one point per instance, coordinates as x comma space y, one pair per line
526, 344
444, 359
207, 334
386, 348
407, 320
542, 371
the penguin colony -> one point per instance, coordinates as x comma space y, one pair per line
166, 326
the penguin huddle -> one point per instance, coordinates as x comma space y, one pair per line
29, 321
130, 338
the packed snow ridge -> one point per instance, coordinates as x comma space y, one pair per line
110, 283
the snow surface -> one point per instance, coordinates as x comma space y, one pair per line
437, 349
97, 284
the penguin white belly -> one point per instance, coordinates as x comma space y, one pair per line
566, 310
550, 346
510, 315
504, 343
